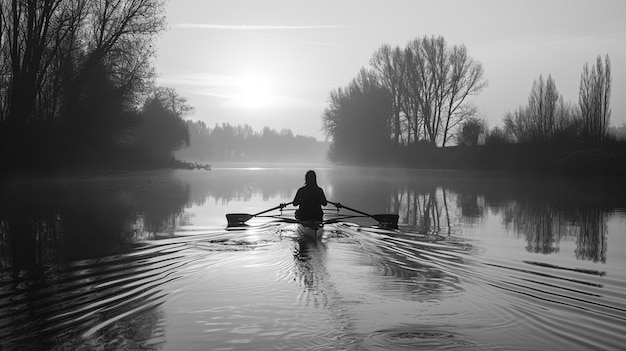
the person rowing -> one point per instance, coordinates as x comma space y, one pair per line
310, 198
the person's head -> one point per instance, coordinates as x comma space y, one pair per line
310, 178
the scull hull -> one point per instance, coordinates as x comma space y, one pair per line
311, 230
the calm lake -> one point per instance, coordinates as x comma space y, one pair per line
479, 262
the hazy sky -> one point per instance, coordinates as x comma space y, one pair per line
274, 62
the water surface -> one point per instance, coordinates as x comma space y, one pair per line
145, 261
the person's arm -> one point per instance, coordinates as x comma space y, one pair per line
324, 202
297, 199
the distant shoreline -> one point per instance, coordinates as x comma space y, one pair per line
575, 160
582, 159
103, 168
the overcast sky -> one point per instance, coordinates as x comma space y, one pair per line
273, 63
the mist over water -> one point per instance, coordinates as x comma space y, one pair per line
479, 261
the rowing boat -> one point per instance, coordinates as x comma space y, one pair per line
312, 229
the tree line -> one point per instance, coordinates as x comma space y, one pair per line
414, 95
419, 98
226, 142
546, 118
76, 83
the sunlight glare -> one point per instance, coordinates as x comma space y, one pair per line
254, 92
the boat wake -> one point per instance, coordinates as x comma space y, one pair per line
269, 286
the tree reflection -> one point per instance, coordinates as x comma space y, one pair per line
427, 211
225, 185
543, 226
62, 244
544, 211
47, 222
548, 212
55, 236
591, 239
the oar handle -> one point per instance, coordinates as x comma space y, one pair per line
339, 205
235, 219
388, 219
271, 209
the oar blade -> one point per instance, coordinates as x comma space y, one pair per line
390, 220
235, 219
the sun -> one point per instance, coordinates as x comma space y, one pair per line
253, 92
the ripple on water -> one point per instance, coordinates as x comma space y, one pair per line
421, 337
264, 287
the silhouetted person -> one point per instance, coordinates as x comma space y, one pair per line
310, 198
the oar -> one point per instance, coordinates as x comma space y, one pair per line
388, 219
241, 218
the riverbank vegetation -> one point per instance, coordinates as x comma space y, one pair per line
77, 90
77, 87
226, 142
412, 107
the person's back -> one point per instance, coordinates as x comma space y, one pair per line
310, 198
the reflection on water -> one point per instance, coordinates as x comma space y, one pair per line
48, 222
545, 212
143, 261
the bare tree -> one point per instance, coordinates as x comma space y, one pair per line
420, 90
542, 108
389, 64
546, 117
118, 37
67, 50
466, 79
172, 101
28, 48
72, 72
411, 95
594, 99
516, 126
48, 45
439, 81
